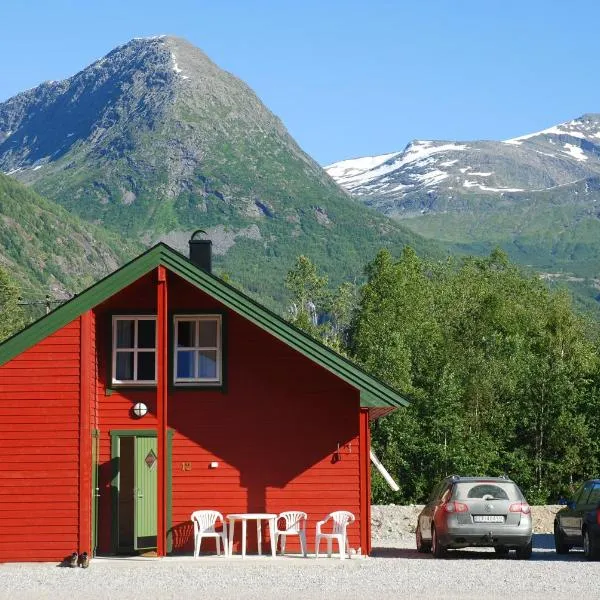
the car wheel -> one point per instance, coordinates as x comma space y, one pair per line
422, 547
501, 550
590, 549
438, 550
559, 541
524, 552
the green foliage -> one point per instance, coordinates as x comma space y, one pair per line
556, 232
12, 317
50, 250
308, 291
502, 373
315, 309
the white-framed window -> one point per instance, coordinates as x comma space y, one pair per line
134, 350
198, 349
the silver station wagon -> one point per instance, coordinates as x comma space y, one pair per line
475, 511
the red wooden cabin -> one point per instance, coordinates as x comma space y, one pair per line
251, 414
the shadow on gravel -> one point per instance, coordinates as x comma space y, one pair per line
543, 550
386, 552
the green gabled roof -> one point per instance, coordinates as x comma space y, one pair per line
373, 392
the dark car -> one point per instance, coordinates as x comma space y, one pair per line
578, 524
475, 511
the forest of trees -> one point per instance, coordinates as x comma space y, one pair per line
502, 374
12, 316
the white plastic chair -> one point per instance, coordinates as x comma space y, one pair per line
204, 526
341, 520
295, 524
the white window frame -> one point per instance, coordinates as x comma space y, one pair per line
135, 350
195, 381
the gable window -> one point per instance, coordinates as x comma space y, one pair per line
134, 350
198, 350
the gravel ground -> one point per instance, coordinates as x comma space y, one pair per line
392, 572
395, 570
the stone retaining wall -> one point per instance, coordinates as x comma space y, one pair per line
391, 522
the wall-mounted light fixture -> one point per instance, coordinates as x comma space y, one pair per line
139, 410
347, 447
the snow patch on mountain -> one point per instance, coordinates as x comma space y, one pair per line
369, 173
176, 67
556, 130
418, 150
430, 177
346, 171
485, 188
571, 128
575, 151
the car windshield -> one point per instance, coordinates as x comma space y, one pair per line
487, 490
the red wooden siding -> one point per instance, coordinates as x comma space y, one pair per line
274, 431
86, 374
39, 448
93, 387
365, 481
114, 406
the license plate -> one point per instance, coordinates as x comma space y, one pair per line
488, 519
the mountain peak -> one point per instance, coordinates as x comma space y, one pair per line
155, 118
535, 162
155, 141
136, 86
585, 127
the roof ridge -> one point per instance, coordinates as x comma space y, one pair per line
373, 391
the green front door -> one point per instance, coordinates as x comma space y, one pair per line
134, 454
145, 492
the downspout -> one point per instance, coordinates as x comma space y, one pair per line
390, 481
85, 437
161, 407
364, 482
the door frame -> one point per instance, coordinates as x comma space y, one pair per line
95, 488
115, 445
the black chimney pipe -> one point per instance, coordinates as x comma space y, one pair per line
201, 252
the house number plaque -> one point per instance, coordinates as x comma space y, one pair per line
186, 466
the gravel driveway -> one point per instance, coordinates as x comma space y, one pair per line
395, 571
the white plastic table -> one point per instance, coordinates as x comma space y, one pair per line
258, 517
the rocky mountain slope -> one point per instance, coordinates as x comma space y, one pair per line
154, 141
536, 195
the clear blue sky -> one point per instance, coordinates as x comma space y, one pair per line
347, 78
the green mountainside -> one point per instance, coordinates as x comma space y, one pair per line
154, 141
48, 250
